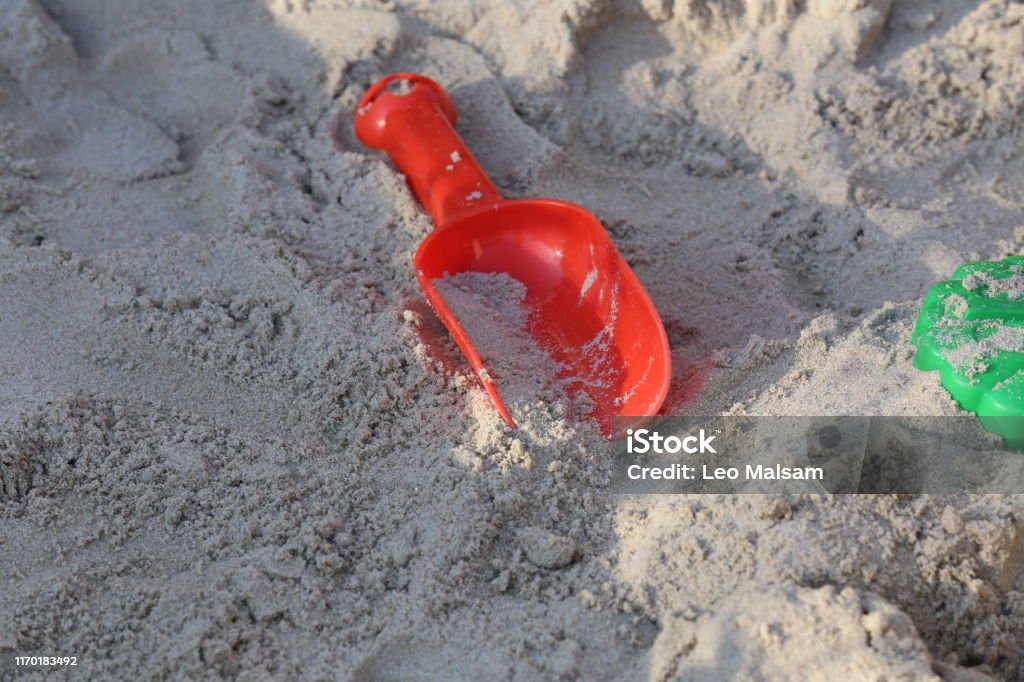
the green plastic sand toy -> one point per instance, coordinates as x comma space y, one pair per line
971, 329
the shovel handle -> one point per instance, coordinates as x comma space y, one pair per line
416, 129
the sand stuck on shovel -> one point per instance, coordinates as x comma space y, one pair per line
492, 309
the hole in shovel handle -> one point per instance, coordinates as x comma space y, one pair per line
400, 85
416, 130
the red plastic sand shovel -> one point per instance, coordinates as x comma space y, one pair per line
586, 307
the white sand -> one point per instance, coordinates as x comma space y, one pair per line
226, 449
491, 309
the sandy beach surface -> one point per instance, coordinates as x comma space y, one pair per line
230, 449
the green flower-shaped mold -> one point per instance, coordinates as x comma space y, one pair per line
971, 329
